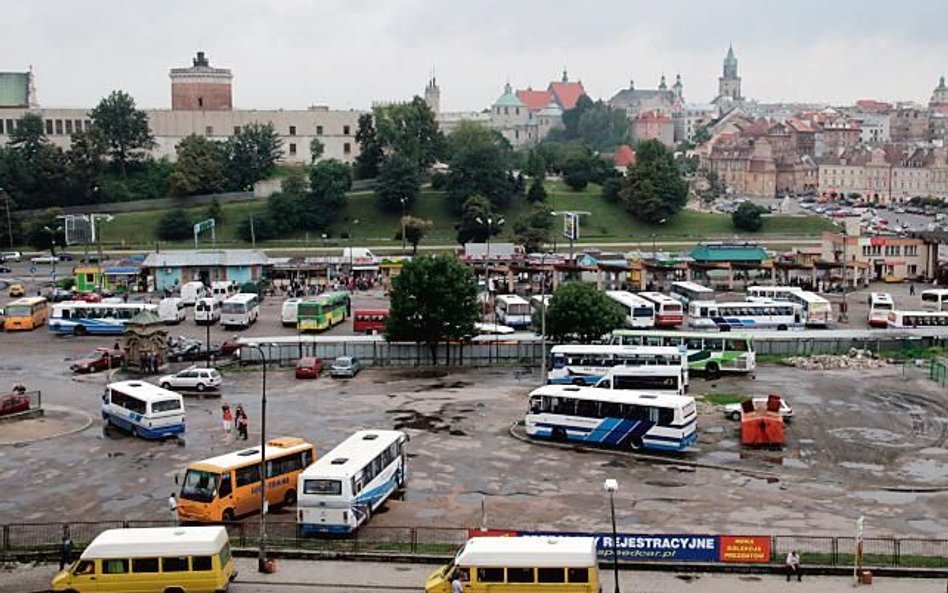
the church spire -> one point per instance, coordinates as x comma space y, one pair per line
661, 85
565, 75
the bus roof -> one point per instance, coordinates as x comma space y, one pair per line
615, 348
32, 300
539, 552
937, 291
659, 399
691, 286
85, 305
144, 391
762, 302
157, 541
676, 334
810, 297
352, 454
658, 296
277, 446
626, 370
512, 298
242, 297
882, 297
627, 298
774, 288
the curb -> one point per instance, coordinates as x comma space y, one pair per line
85, 425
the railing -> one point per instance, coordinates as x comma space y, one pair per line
938, 371
33, 539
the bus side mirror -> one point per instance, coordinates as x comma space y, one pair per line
176, 479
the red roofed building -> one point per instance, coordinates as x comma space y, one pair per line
873, 106
624, 157
535, 101
654, 125
566, 93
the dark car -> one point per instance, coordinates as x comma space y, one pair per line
5, 270
13, 403
65, 257
58, 295
309, 367
100, 359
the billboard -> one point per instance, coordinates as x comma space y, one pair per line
571, 226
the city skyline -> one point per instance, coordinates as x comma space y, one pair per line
81, 50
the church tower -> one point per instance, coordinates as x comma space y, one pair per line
729, 85
433, 95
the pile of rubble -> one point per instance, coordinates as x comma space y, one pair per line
855, 359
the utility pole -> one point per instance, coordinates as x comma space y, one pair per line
6, 201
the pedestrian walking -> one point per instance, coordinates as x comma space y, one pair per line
242, 422
65, 552
173, 508
793, 566
912, 289
228, 419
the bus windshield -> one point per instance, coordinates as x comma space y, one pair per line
199, 485
324, 487
18, 311
930, 297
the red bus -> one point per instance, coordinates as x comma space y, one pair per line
369, 321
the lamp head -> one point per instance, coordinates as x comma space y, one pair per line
610, 485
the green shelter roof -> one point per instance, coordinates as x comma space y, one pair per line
729, 253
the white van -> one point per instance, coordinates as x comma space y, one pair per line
223, 290
171, 310
143, 409
192, 291
289, 314
207, 311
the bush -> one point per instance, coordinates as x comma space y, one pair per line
260, 227
747, 217
439, 181
176, 225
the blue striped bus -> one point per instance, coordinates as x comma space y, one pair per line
78, 318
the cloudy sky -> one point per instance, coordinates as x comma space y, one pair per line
348, 53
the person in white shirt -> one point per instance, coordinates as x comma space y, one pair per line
173, 508
793, 566
456, 586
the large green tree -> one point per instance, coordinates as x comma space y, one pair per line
473, 226
252, 154
602, 127
578, 311
398, 178
411, 130
46, 230
653, 189
433, 299
123, 128
748, 217
329, 181
200, 167
532, 230
479, 159
370, 149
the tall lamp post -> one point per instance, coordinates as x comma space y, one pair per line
262, 556
52, 246
611, 486
351, 271
6, 202
403, 200
491, 224
543, 315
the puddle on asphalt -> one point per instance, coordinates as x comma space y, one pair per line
887, 496
877, 436
665, 483
720, 457
440, 386
868, 467
925, 469
928, 525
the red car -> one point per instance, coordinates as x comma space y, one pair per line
309, 367
13, 403
88, 297
99, 359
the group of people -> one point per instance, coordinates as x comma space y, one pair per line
149, 363
239, 416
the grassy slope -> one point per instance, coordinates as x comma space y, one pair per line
607, 222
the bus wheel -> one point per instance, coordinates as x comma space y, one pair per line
635, 443
559, 434
712, 370
289, 498
174, 590
79, 330
782, 328
227, 516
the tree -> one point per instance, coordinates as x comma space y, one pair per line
316, 149
409, 129
537, 192
571, 117
329, 181
398, 178
28, 135
176, 225
200, 167
578, 171
214, 211
284, 213
478, 165
123, 128
370, 150
257, 227
578, 311
602, 127
611, 188
747, 217
415, 230
533, 229
535, 166
46, 230
469, 229
701, 135
252, 153
653, 189
433, 299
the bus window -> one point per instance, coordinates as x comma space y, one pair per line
736, 345
520, 575
114, 566
144, 565
587, 409
666, 416
550, 575
714, 344
653, 341
609, 410
248, 475
565, 406
577, 575
226, 487
490, 575
694, 344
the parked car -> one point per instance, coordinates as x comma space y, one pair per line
185, 348
309, 367
65, 257
733, 411
58, 295
345, 366
10, 256
197, 378
44, 259
100, 359
88, 297
14, 403
16, 291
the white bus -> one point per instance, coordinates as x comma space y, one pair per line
817, 311
579, 364
708, 353
341, 490
223, 289
880, 303
664, 379
637, 311
935, 299
143, 409
207, 311
79, 318
240, 310
690, 291
289, 313
512, 310
669, 312
744, 315
911, 319
618, 418
771, 293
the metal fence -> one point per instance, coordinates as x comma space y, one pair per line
938, 371
31, 539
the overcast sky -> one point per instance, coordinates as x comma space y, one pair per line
348, 53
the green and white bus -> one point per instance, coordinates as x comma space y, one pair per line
323, 311
711, 354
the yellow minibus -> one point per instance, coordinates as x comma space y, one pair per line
27, 313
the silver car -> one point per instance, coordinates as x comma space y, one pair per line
733, 411
345, 366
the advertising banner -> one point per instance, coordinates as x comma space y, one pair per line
651, 547
745, 548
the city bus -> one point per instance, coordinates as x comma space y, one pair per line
669, 312
771, 293
586, 364
152, 560
79, 318
240, 310
512, 310
27, 314
690, 291
369, 321
225, 487
664, 379
143, 409
911, 319
636, 311
345, 486
615, 417
521, 564
289, 312
323, 311
880, 304
817, 311
744, 315
935, 299
708, 353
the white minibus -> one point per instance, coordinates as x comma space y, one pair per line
207, 311
171, 310
914, 319
880, 303
637, 312
669, 312
690, 291
145, 410
935, 299
512, 310
192, 291
817, 311
240, 310
223, 289
772, 293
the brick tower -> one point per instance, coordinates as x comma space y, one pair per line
200, 87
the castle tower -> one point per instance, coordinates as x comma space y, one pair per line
939, 100
201, 87
433, 95
661, 85
679, 89
729, 85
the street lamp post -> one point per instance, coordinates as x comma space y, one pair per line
611, 486
262, 556
351, 271
403, 200
543, 315
491, 224
6, 201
